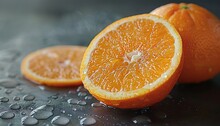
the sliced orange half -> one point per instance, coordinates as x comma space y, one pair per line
134, 62
54, 66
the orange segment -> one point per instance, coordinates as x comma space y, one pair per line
131, 59
54, 66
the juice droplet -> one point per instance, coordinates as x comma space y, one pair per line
60, 121
87, 121
4, 99
165, 76
42, 112
73, 101
7, 115
15, 106
28, 120
8, 83
141, 120
29, 97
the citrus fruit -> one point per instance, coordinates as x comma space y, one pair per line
133, 63
200, 33
54, 66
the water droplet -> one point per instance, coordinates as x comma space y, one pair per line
29, 97
87, 121
15, 106
28, 120
8, 55
180, 29
60, 121
141, 120
45, 124
84, 72
169, 96
160, 115
10, 75
81, 89
63, 111
8, 83
145, 110
4, 99
42, 112
88, 97
73, 101
71, 92
70, 115
74, 109
42, 87
54, 96
210, 69
97, 104
8, 91
79, 117
23, 113
7, 115
111, 107
82, 94
19, 88
10, 124
16, 98
82, 103
165, 76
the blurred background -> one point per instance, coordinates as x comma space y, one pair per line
26, 23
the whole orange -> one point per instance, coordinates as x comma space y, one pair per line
200, 33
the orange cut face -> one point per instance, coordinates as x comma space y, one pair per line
131, 56
54, 66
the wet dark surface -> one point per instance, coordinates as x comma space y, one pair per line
25, 27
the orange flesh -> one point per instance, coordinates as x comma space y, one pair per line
57, 63
132, 56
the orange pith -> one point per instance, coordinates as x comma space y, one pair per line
200, 33
136, 59
54, 66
